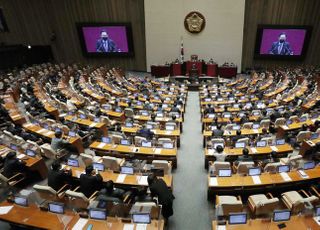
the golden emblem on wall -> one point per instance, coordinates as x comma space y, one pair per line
194, 22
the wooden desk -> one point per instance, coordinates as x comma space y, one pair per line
295, 222
294, 126
97, 97
244, 185
75, 141
13, 110
88, 123
144, 153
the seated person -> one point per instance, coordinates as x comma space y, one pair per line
90, 182
264, 134
145, 132
12, 165
219, 155
58, 177
58, 143
238, 136
110, 193
245, 156
217, 132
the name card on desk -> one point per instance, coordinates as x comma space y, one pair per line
221, 227
303, 174
142, 180
42, 131
211, 152
80, 224
256, 179
254, 150
93, 124
27, 125
255, 131
285, 176
274, 148
121, 178
213, 181
141, 227
157, 151
101, 145
285, 127
20, 156
128, 226
5, 209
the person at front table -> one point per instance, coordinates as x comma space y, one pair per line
58, 177
90, 181
245, 156
219, 154
158, 188
12, 165
218, 132
281, 47
105, 44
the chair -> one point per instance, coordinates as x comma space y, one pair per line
293, 160
294, 118
112, 163
295, 202
229, 127
163, 140
116, 139
303, 135
256, 112
245, 140
166, 165
279, 122
269, 140
265, 123
247, 125
261, 204
216, 166
48, 152
86, 159
78, 200
12, 181
138, 140
128, 112
19, 140
271, 167
243, 167
47, 193
228, 204
217, 140
172, 124
9, 134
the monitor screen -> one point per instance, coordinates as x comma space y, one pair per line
167, 145
309, 165
98, 166
224, 172
283, 168
289, 122
82, 116
72, 134
144, 113
281, 215
96, 119
106, 39
124, 142
254, 171
73, 162
106, 140
13, 147
169, 127
146, 144
30, 152
240, 144
97, 214
317, 211
21, 200
129, 124
282, 42
261, 143
228, 115
58, 130
56, 207
141, 218
211, 115
127, 170
236, 127
256, 126
213, 127
280, 142
118, 110
314, 136
303, 119
149, 126
238, 218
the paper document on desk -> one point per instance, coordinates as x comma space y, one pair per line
303, 174
128, 226
255, 131
49, 133
101, 145
274, 148
93, 124
168, 132
285, 127
317, 219
211, 152
143, 180
157, 151
254, 150
121, 178
27, 125
80, 224
213, 181
221, 227
285, 176
5, 209
256, 179
20, 156
141, 227
42, 131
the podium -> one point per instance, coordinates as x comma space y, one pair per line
176, 69
228, 71
212, 69
198, 65
160, 70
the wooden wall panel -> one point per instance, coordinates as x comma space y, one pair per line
33, 21
288, 12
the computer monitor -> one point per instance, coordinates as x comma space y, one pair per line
167, 145
211, 115
227, 115
261, 143
45, 125
236, 106
280, 142
255, 113
240, 144
30, 153
98, 166
73, 162
149, 126
315, 115
21, 200
317, 211
144, 113
118, 110
283, 168
303, 119
97, 214
215, 145
281, 215
70, 113
139, 103
56, 207
309, 165
129, 124
236, 127
170, 127
141, 218
289, 122
224, 172
127, 170
146, 144
238, 218
213, 127
106, 107
96, 119
255, 171
255, 126
219, 99
13, 147
164, 106
72, 134
106, 140
125, 142
58, 130
82, 116
314, 136
159, 114
207, 99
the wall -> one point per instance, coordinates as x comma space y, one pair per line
221, 39
287, 12
32, 22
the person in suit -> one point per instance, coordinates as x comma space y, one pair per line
281, 47
245, 156
145, 132
158, 188
12, 165
90, 182
111, 193
105, 44
217, 132
58, 177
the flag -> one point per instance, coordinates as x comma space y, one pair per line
181, 51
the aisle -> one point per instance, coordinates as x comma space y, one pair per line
191, 208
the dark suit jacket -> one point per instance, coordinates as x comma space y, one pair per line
147, 133
12, 166
89, 184
159, 188
111, 46
244, 159
218, 132
58, 178
286, 50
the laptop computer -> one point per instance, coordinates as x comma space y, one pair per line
309, 165
224, 172
73, 162
283, 168
72, 134
280, 142
261, 143
127, 170
281, 215
98, 166
56, 207
255, 171
240, 144
30, 153
106, 140
141, 218
237, 218
21, 200
97, 214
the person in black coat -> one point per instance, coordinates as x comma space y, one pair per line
159, 189
90, 182
245, 156
58, 177
12, 165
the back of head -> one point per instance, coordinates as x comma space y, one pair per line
11, 155
109, 186
219, 126
58, 134
89, 169
238, 132
151, 179
55, 165
219, 149
245, 151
